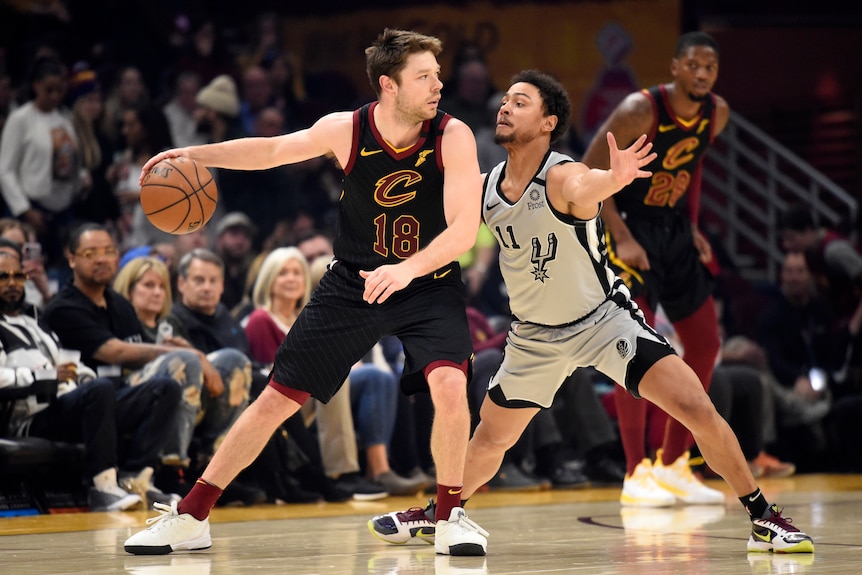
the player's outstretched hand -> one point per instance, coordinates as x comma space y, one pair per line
174, 153
626, 164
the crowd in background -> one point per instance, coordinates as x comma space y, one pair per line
79, 119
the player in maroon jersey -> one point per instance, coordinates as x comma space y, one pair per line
409, 206
654, 244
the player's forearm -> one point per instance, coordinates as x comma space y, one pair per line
595, 186
444, 249
239, 154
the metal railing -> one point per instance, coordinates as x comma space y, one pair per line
749, 179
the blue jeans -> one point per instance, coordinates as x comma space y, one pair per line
201, 414
374, 399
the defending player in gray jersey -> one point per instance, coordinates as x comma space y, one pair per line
546, 255
573, 312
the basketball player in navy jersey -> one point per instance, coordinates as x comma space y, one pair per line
572, 311
655, 246
409, 207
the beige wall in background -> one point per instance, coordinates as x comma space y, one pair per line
575, 41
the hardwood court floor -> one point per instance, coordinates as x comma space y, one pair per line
576, 531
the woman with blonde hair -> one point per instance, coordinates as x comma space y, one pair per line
146, 283
282, 290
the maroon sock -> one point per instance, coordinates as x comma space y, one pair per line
448, 497
632, 412
631, 417
200, 500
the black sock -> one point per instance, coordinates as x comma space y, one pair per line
464, 503
755, 503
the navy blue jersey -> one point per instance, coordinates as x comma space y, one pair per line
391, 205
680, 147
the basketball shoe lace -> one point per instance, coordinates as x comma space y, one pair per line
167, 513
468, 523
776, 519
413, 515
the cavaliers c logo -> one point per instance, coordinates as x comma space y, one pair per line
680, 153
390, 190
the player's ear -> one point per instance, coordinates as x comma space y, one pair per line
550, 122
387, 83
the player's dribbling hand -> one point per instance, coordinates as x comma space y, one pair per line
626, 164
174, 153
383, 282
703, 247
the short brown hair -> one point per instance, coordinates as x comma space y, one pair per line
386, 57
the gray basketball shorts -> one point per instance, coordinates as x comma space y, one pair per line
615, 339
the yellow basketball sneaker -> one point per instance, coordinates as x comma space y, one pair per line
641, 490
679, 480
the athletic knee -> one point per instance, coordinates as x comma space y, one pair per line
448, 394
695, 409
493, 438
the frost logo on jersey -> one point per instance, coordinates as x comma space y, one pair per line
540, 260
624, 348
421, 159
534, 202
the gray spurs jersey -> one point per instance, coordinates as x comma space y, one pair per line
554, 264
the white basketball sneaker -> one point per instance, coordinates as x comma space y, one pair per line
169, 532
679, 480
459, 535
641, 490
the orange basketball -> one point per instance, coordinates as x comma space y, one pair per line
178, 196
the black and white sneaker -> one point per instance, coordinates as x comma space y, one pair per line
775, 533
400, 527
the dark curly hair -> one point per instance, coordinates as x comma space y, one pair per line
554, 99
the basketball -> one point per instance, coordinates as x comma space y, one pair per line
178, 196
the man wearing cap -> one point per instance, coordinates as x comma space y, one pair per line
234, 244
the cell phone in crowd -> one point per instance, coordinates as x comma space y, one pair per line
31, 251
818, 378
165, 331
